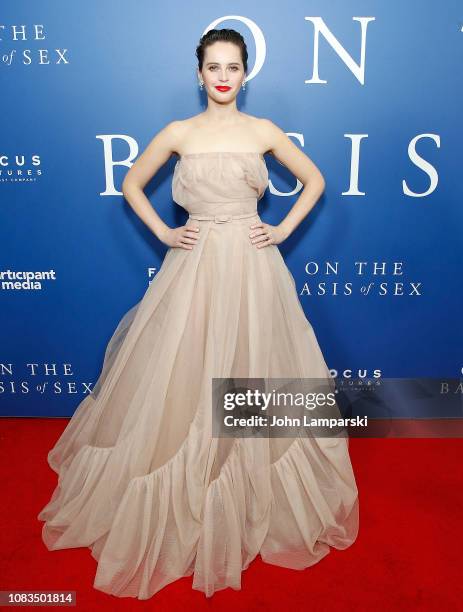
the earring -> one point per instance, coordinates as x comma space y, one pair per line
244, 85
201, 85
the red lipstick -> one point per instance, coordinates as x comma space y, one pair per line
222, 87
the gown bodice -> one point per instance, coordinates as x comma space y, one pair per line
219, 182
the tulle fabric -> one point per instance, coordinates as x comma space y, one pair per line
141, 480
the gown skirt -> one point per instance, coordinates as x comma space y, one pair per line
142, 480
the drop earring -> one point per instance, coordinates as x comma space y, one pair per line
244, 85
201, 85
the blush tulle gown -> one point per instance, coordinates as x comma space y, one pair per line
142, 481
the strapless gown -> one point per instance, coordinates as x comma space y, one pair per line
142, 481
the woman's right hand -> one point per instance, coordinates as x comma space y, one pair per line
183, 237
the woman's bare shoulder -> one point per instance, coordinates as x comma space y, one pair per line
175, 132
265, 131
179, 130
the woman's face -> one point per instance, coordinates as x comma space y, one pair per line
223, 71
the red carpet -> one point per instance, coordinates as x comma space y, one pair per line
408, 554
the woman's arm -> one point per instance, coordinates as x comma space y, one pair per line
302, 167
156, 154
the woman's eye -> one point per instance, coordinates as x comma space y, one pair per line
234, 68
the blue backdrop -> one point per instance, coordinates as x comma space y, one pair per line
371, 91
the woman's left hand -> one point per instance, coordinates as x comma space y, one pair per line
264, 234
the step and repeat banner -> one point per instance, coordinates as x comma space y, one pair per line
371, 92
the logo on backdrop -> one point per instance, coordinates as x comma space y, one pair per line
17, 280
371, 279
22, 44
20, 168
41, 379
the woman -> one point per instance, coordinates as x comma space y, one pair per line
142, 480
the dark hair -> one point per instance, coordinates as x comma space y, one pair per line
226, 35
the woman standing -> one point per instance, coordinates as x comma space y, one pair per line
142, 480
